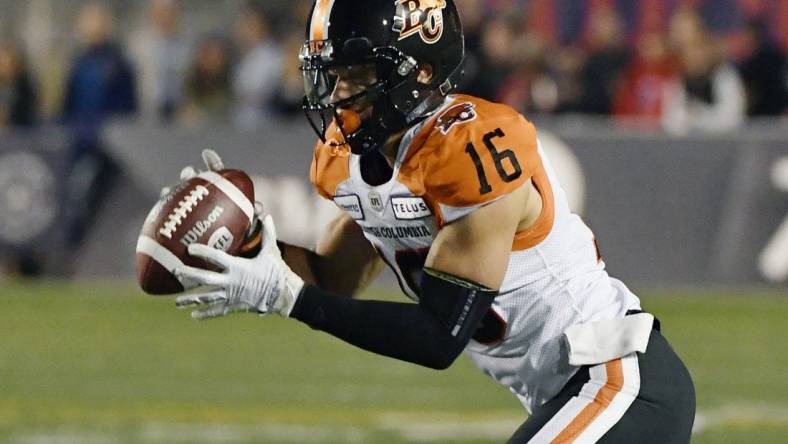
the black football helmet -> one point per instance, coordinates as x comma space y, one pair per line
397, 38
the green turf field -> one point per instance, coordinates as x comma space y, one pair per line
105, 364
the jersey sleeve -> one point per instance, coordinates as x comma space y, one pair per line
481, 161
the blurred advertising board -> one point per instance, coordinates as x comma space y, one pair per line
31, 189
690, 210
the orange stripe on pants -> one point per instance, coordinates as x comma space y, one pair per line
605, 395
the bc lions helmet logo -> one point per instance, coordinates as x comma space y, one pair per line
464, 112
422, 16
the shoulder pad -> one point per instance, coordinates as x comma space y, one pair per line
330, 167
477, 152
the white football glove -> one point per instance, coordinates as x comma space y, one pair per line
263, 284
212, 162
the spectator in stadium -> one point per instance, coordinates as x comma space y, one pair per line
162, 56
709, 95
494, 58
101, 84
289, 94
257, 74
208, 92
472, 16
18, 95
530, 86
640, 95
18, 109
685, 27
765, 73
607, 59
566, 63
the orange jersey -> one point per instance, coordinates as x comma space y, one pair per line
468, 154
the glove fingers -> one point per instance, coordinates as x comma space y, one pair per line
212, 160
239, 308
212, 255
164, 191
201, 299
188, 173
258, 209
215, 311
269, 233
200, 276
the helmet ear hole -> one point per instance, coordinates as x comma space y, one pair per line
357, 48
425, 74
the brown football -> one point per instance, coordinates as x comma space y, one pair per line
213, 208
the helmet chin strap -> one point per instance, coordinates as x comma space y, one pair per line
375, 131
365, 140
435, 99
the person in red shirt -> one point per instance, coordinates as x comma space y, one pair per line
640, 94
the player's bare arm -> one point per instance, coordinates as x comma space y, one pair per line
343, 262
477, 246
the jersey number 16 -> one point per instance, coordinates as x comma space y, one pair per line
498, 157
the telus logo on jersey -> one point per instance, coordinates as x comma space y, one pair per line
409, 208
420, 16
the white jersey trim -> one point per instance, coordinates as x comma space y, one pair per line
450, 213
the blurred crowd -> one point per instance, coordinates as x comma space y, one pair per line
669, 69
675, 73
680, 75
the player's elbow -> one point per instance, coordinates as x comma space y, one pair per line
441, 364
444, 357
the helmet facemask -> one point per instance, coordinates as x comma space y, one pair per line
380, 116
416, 48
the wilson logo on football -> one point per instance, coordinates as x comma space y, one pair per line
201, 227
420, 16
457, 114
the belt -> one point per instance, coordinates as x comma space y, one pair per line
657, 325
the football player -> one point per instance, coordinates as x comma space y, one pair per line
456, 196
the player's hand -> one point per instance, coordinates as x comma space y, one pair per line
263, 284
212, 162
